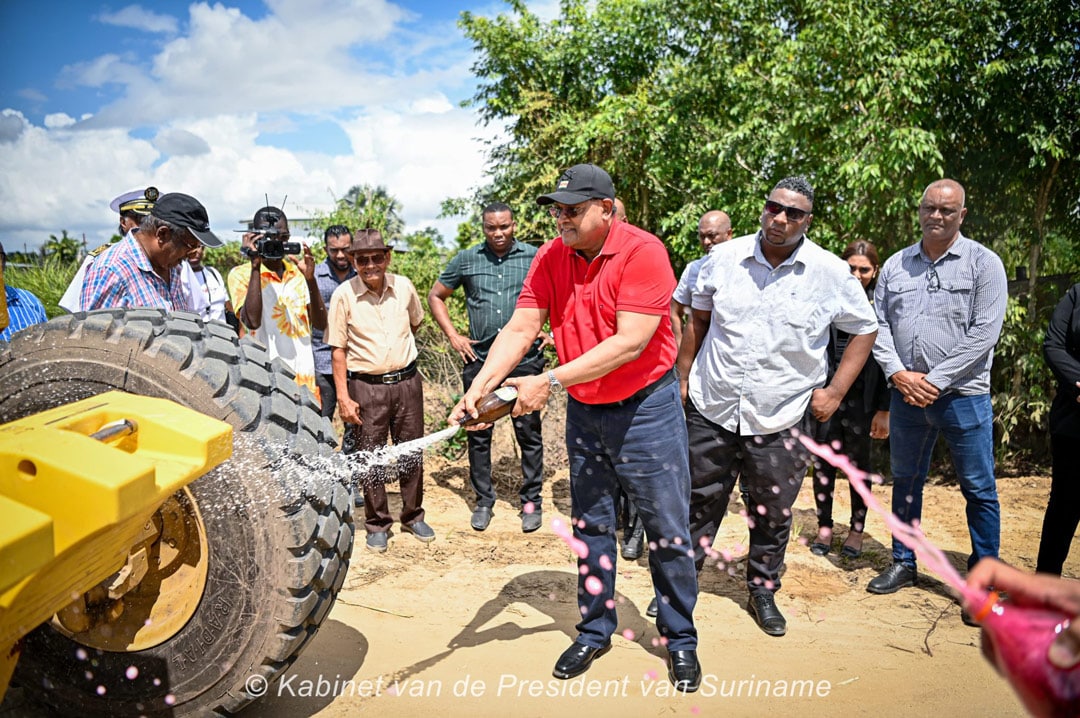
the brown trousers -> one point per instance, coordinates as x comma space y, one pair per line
397, 410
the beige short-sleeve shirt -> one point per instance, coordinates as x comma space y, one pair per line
375, 331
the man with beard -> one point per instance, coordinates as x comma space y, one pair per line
329, 275
606, 285
763, 306
492, 274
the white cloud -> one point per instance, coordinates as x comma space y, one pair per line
173, 141
138, 18
59, 120
301, 55
31, 94
436, 104
12, 124
64, 179
208, 96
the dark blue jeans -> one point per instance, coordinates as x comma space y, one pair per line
967, 423
527, 430
639, 448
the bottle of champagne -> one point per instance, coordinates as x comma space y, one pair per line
1017, 638
494, 406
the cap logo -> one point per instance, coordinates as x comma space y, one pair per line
564, 184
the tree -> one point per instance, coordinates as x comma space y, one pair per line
370, 206
63, 248
704, 104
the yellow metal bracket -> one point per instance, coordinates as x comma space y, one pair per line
72, 505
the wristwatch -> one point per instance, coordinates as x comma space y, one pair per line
553, 384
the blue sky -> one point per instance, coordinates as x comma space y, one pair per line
230, 101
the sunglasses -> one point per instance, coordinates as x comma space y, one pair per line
933, 282
793, 213
569, 212
363, 260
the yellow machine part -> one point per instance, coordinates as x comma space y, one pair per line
71, 506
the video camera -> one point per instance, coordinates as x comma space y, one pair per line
272, 242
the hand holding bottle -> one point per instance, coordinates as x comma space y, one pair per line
1033, 638
490, 407
1037, 589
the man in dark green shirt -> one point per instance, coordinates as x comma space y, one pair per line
492, 274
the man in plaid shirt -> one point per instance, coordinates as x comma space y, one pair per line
143, 269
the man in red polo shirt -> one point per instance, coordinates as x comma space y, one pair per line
606, 286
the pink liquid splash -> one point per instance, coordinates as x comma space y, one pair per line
909, 534
576, 545
1016, 638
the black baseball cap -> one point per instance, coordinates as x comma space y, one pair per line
578, 184
185, 211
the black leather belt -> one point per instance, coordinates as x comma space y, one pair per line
642, 394
392, 378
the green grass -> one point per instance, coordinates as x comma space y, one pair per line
47, 281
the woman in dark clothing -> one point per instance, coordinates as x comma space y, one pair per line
1062, 351
863, 414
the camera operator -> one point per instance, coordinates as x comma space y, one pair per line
278, 299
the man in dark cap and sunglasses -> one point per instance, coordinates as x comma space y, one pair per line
131, 207
605, 286
144, 268
755, 362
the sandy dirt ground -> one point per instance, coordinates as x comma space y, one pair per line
471, 624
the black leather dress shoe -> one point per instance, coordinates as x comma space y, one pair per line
652, 609
762, 606
481, 517
893, 579
576, 659
531, 521
684, 671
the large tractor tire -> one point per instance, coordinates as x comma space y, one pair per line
266, 536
